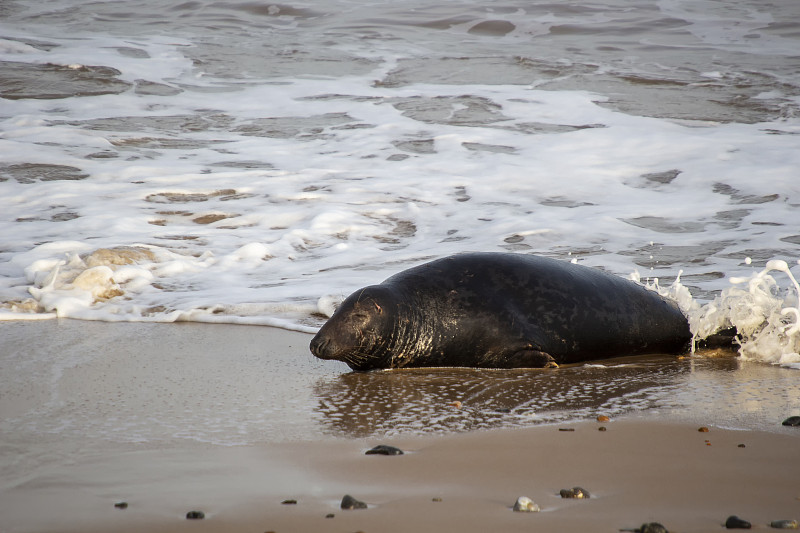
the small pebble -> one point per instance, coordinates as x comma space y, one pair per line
603, 418
652, 527
791, 421
525, 505
383, 449
566, 429
121, 505
742, 446
575, 492
601, 428
329, 515
456, 404
703, 429
289, 502
734, 522
436, 499
348, 502
195, 515
784, 524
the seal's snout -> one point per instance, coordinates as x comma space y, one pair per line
320, 346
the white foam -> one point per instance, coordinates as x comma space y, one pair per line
279, 196
764, 313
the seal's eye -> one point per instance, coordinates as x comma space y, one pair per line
361, 317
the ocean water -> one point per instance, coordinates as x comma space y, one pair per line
255, 163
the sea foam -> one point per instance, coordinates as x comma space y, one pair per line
256, 167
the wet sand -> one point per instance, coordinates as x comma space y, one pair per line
233, 420
636, 472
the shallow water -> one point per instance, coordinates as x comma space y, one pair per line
253, 163
72, 385
724, 392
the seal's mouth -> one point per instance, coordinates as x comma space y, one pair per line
359, 361
323, 348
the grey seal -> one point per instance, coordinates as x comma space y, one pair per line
499, 310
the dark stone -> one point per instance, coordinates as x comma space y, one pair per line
734, 522
348, 502
289, 502
581, 493
121, 505
784, 524
195, 515
791, 421
602, 428
575, 492
566, 429
383, 449
652, 527
329, 515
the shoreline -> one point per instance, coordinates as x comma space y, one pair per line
233, 420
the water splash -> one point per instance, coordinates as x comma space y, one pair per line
766, 314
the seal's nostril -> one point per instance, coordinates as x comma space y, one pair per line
319, 345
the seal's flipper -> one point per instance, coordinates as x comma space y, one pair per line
530, 358
725, 338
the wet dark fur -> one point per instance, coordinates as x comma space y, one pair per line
497, 310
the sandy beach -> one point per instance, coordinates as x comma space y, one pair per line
234, 420
636, 472
181, 179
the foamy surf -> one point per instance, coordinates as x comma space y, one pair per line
764, 310
106, 284
256, 164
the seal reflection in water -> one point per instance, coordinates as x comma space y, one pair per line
496, 310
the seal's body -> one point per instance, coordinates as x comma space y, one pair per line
497, 310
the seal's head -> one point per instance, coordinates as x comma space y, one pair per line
360, 330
